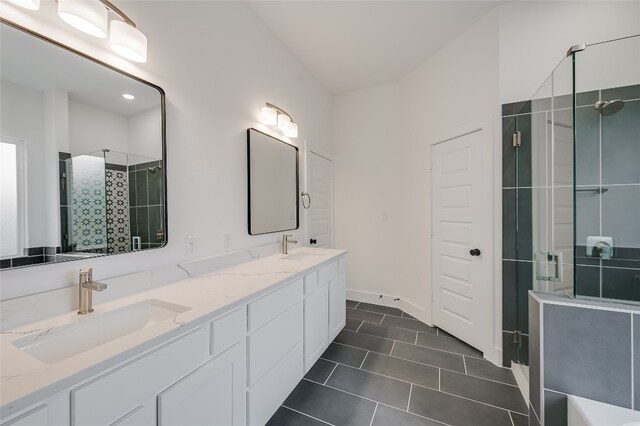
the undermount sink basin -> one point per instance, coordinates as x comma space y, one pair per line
301, 255
96, 329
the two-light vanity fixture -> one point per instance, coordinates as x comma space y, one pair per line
92, 17
273, 115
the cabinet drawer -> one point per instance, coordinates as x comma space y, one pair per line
228, 330
310, 282
36, 417
264, 399
274, 303
342, 265
267, 346
327, 273
109, 397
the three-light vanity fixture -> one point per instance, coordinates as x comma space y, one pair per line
92, 17
273, 115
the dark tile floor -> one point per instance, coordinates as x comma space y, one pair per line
388, 369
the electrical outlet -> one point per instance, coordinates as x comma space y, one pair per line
190, 245
226, 240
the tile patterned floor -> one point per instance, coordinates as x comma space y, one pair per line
388, 369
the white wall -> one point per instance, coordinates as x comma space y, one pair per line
505, 57
56, 136
93, 129
381, 136
144, 132
218, 64
368, 187
535, 37
22, 117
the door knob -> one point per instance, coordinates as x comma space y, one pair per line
313, 241
474, 252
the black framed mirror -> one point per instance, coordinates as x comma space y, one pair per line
83, 155
272, 166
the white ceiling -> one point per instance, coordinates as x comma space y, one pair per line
48, 66
351, 45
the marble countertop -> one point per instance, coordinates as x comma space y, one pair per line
26, 380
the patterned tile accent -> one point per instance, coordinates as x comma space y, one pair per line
118, 236
88, 207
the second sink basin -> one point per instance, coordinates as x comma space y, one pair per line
96, 329
301, 255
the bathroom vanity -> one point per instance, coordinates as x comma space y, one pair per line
222, 348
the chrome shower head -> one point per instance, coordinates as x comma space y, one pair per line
607, 108
153, 169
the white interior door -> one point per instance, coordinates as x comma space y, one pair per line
461, 201
320, 188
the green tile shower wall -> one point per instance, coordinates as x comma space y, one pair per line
607, 154
146, 204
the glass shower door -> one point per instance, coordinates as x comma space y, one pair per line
543, 199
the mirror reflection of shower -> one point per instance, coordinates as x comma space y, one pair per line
114, 203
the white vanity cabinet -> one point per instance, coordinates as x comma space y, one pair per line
274, 350
178, 383
234, 369
324, 308
337, 305
52, 411
211, 395
316, 319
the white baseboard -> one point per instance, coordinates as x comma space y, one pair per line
522, 379
388, 300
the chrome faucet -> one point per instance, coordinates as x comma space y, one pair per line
86, 287
284, 244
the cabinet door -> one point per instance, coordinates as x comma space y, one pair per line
337, 305
214, 394
316, 326
144, 414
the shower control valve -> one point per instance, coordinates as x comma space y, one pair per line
600, 247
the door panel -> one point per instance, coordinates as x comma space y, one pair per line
460, 223
320, 186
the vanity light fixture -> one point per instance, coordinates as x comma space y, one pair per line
92, 17
271, 115
128, 41
27, 4
128, 96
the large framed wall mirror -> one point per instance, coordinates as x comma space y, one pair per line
82, 152
273, 184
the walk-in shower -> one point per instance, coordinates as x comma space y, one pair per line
571, 187
111, 202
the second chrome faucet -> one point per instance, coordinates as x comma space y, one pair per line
284, 243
